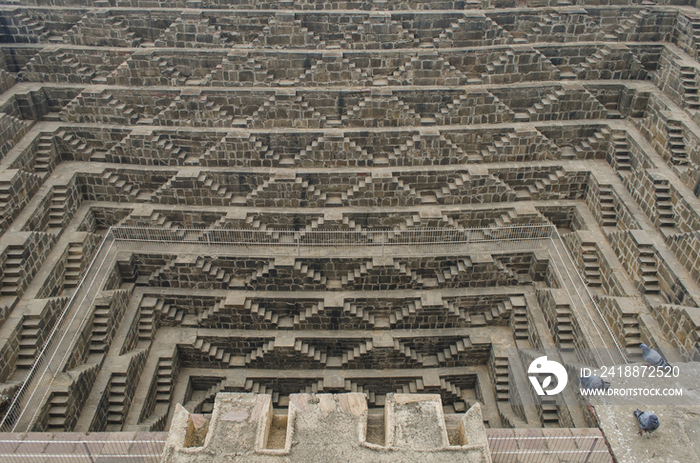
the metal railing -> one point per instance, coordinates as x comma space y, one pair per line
547, 449
592, 321
345, 243
93, 448
35, 387
32, 395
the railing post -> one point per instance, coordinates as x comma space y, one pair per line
588, 457
297, 237
87, 449
208, 243
384, 236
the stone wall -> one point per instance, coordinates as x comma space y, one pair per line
682, 326
308, 116
266, 68
622, 315
70, 268
637, 254
563, 326
654, 193
22, 257
11, 131
74, 65
16, 190
95, 338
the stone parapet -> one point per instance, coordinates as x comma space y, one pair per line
324, 427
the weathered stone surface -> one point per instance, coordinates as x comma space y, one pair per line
277, 163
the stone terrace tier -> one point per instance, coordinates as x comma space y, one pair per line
366, 121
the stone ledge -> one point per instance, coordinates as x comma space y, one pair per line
328, 427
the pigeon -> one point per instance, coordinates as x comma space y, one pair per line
652, 357
594, 382
647, 421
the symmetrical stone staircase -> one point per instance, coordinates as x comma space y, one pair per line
334, 148
519, 145
95, 105
12, 278
58, 409
23, 258
619, 157
121, 186
193, 31
28, 339
593, 62
167, 70
164, 381
521, 64
257, 388
676, 143
70, 66
312, 352
454, 350
147, 318
100, 28
591, 146
16, 189
565, 105
116, 402
425, 69
193, 111
257, 354
112, 110
203, 316
648, 270
559, 316
540, 185
557, 25
364, 315
591, 268
498, 370
74, 266
45, 156
106, 316
20, 28
208, 267
216, 353
82, 151
665, 214
519, 322
459, 34
628, 26
690, 91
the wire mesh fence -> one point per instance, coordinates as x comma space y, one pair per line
549, 449
72, 448
411, 242
117, 447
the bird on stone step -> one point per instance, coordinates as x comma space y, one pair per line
594, 382
647, 421
652, 357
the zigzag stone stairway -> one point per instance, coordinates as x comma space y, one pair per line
345, 116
